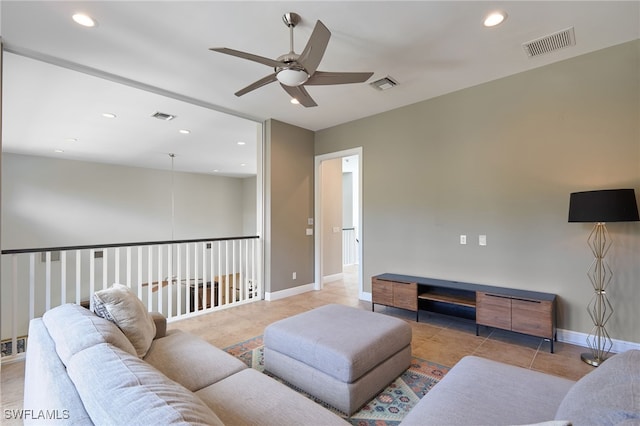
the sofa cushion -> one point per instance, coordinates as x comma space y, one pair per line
47, 387
121, 306
191, 361
118, 388
253, 398
74, 328
480, 391
610, 394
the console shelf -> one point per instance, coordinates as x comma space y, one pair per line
434, 296
522, 311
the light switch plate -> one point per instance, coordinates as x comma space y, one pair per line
309, 231
463, 239
482, 240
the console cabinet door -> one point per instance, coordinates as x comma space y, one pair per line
532, 317
382, 292
405, 296
493, 310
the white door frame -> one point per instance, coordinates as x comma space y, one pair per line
318, 213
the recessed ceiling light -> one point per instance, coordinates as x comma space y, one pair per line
495, 18
241, 143
295, 101
108, 115
215, 170
184, 131
58, 151
242, 164
71, 140
84, 20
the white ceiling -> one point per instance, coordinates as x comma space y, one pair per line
431, 48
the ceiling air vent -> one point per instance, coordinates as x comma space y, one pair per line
163, 116
549, 43
384, 83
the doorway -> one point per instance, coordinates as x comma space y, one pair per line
338, 213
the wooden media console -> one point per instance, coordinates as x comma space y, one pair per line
522, 311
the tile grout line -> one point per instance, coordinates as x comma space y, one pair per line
536, 354
483, 342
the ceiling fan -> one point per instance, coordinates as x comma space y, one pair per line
295, 71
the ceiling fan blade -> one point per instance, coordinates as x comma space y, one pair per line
249, 56
253, 86
314, 50
301, 94
324, 78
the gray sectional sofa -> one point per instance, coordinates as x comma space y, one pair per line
478, 391
83, 369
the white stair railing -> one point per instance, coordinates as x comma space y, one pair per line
176, 278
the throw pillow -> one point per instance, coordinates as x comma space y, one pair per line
607, 395
121, 306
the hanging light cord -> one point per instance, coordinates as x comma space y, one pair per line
173, 207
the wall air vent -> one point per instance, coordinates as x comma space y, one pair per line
163, 116
384, 83
550, 43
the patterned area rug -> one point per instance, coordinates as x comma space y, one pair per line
387, 408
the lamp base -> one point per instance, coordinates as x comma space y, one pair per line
590, 359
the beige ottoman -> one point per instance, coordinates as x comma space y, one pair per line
341, 355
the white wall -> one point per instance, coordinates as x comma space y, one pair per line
53, 202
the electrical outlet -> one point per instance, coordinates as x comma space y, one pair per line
463, 239
294, 275
482, 240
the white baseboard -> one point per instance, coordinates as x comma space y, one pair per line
580, 339
332, 278
281, 294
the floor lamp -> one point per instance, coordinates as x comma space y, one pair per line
599, 207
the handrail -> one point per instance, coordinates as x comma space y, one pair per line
113, 245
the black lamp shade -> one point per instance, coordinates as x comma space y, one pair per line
607, 205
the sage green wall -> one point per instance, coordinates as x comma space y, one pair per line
289, 204
501, 159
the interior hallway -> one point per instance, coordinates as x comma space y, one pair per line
437, 338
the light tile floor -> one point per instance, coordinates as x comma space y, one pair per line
441, 339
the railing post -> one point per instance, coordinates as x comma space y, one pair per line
32, 286
63, 277
92, 276
78, 277
48, 280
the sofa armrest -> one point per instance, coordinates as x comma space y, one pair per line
161, 324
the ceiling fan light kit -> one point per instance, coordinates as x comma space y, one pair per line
294, 71
292, 77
